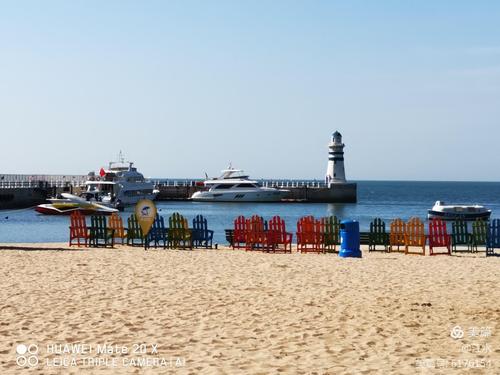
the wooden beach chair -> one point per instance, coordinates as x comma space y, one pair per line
116, 223
493, 238
310, 235
415, 237
331, 237
179, 234
100, 234
78, 229
257, 236
439, 237
460, 236
202, 236
239, 233
157, 234
378, 235
397, 235
134, 231
479, 234
280, 238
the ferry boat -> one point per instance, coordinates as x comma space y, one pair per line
454, 212
235, 186
119, 185
69, 203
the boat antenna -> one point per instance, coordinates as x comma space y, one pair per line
206, 176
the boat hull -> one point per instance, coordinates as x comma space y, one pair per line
48, 209
270, 195
456, 216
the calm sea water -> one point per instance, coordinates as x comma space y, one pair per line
385, 199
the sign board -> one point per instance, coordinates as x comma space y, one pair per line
145, 211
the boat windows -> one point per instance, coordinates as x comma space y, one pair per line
246, 186
224, 186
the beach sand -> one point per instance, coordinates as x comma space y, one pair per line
236, 312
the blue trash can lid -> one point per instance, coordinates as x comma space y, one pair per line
348, 221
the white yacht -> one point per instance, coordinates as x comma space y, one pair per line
119, 185
234, 186
454, 212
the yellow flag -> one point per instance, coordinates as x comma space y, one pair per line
145, 211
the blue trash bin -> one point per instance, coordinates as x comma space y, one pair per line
349, 239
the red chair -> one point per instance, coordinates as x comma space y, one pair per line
280, 238
78, 229
257, 237
438, 237
310, 233
239, 234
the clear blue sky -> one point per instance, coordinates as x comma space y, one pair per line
185, 87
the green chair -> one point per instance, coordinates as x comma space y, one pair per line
100, 234
460, 235
332, 233
479, 234
377, 235
178, 234
134, 231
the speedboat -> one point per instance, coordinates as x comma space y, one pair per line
119, 185
235, 186
69, 203
454, 212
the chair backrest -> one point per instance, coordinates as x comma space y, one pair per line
305, 225
479, 232
158, 223
397, 233
78, 225
415, 232
200, 223
460, 232
240, 227
277, 227
438, 235
134, 229
176, 221
494, 234
377, 226
98, 224
256, 224
116, 223
331, 225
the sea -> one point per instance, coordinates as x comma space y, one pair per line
385, 199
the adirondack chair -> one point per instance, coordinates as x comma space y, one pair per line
157, 233
479, 234
257, 237
239, 233
438, 237
332, 233
280, 238
397, 235
310, 235
116, 223
202, 236
78, 229
100, 234
493, 238
414, 236
179, 235
134, 231
460, 235
378, 235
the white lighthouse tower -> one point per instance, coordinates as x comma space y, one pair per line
335, 172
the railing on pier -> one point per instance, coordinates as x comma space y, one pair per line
266, 183
42, 181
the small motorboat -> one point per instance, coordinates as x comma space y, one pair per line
454, 212
70, 203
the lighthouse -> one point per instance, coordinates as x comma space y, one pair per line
335, 172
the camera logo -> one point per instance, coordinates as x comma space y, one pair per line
457, 332
27, 355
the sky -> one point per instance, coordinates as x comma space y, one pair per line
186, 87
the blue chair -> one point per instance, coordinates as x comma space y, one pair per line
201, 235
157, 233
493, 238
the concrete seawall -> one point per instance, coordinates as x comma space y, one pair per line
338, 193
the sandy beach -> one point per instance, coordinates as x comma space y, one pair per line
235, 312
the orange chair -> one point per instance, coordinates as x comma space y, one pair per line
439, 237
78, 229
397, 235
116, 223
415, 236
